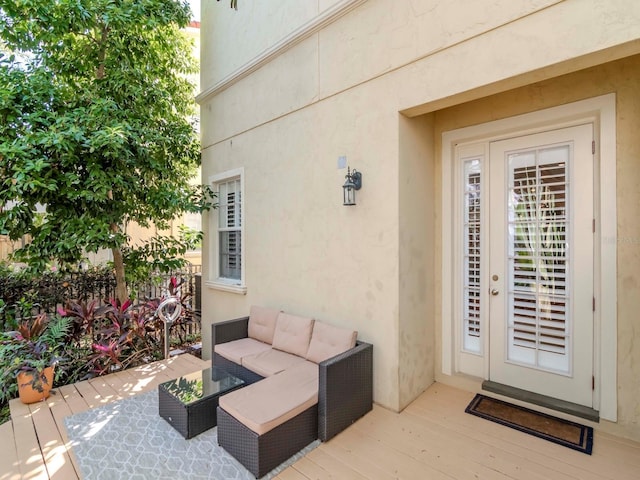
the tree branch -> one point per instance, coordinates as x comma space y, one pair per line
102, 52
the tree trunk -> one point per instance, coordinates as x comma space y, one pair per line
122, 293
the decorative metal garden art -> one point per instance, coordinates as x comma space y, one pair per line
169, 310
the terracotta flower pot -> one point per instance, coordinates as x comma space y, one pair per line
26, 390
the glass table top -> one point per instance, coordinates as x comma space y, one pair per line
199, 385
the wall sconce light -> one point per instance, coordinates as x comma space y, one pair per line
353, 182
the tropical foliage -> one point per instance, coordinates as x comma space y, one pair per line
97, 128
88, 339
33, 347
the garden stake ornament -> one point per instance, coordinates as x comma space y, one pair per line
168, 315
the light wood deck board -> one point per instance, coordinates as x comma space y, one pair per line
420, 449
30, 457
39, 439
560, 459
72, 398
437, 419
437, 432
335, 468
432, 438
382, 453
61, 409
341, 447
106, 392
290, 474
308, 470
9, 467
51, 442
480, 458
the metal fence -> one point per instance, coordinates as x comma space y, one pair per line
23, 297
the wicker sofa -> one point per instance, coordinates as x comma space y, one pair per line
296, 392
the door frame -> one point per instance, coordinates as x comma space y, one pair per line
601, 112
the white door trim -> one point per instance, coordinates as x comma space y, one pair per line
602, 112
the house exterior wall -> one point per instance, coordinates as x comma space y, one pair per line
376, 85
416, 295
236, 44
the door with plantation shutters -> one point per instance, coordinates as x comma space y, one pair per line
541, 269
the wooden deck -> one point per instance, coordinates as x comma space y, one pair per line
432, 438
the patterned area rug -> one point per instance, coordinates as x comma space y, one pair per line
129, 440
556, 430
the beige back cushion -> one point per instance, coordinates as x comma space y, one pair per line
328, 341
292, 334
262, 323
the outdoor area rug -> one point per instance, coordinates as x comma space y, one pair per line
128, 440
556, 430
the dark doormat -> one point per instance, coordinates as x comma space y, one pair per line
556, 430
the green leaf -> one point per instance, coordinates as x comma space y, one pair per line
95, 123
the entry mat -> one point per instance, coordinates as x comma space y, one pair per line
556, 430
128, 440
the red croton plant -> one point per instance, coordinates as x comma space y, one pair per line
123, 335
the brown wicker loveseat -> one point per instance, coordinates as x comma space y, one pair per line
281, 395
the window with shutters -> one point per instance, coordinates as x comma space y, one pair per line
229, 231
471, 256
228, 240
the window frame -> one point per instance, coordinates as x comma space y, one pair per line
216, 281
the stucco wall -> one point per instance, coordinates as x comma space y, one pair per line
239, 41
623, 78
416, 323
338, 92
305, 252
386, 35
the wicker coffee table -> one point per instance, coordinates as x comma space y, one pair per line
189, 403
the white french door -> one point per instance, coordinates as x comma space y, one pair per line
528, 261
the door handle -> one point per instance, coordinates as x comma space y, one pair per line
494, 292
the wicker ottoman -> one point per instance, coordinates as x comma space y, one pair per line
262, 453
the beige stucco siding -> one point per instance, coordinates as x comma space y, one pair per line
385, 36
380, 85
527, 41
268, 94
416, 301
231, 47
305, 252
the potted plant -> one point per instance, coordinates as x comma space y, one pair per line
29, 355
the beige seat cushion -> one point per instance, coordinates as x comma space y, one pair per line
262, 323
268, 403
328, 341
270, 362
293, 334
238, 349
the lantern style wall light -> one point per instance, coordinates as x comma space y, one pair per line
353, 182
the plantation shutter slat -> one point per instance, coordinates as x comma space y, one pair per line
538, 257
229, 229
471, 256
